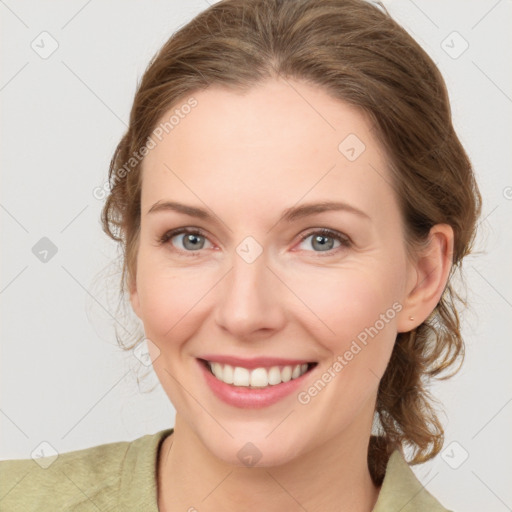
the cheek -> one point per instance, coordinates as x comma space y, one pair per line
170, 298
357, 304
360, 306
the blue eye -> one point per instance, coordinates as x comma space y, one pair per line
193, 239
324, 240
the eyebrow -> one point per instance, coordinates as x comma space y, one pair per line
289, 215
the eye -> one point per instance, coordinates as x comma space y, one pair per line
193, 240
189, 239
324, 240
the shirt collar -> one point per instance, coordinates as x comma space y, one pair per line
401, 491
138, 484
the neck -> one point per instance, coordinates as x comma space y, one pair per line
335, 476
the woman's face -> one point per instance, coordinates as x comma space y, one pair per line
261, 283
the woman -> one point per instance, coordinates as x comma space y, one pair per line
292, 201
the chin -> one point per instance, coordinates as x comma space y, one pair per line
260, 452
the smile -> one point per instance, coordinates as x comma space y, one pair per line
261, 377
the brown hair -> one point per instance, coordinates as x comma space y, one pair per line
357, 53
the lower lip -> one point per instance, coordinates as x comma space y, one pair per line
250, 398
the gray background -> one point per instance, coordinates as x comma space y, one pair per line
63, 379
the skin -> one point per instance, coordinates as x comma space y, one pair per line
246, 158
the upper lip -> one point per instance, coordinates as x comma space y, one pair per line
253, 362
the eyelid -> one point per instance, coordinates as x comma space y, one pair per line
180, 231
189, 230
327, 232
344, 240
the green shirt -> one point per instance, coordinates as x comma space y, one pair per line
122, 477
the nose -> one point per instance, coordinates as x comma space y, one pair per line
250, 302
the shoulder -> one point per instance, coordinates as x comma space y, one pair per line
402, 491
48, 482
89, 479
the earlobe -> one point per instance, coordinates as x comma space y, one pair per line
432, 268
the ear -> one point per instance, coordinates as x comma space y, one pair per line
427, 278
134, 297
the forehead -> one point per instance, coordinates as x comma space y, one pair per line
278, 142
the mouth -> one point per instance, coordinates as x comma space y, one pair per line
261, 377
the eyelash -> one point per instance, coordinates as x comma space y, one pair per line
328, 233
343, 239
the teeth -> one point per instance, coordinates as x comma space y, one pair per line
286, 373
274, 376
241, 376
258, 377
227, 374
296, 372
